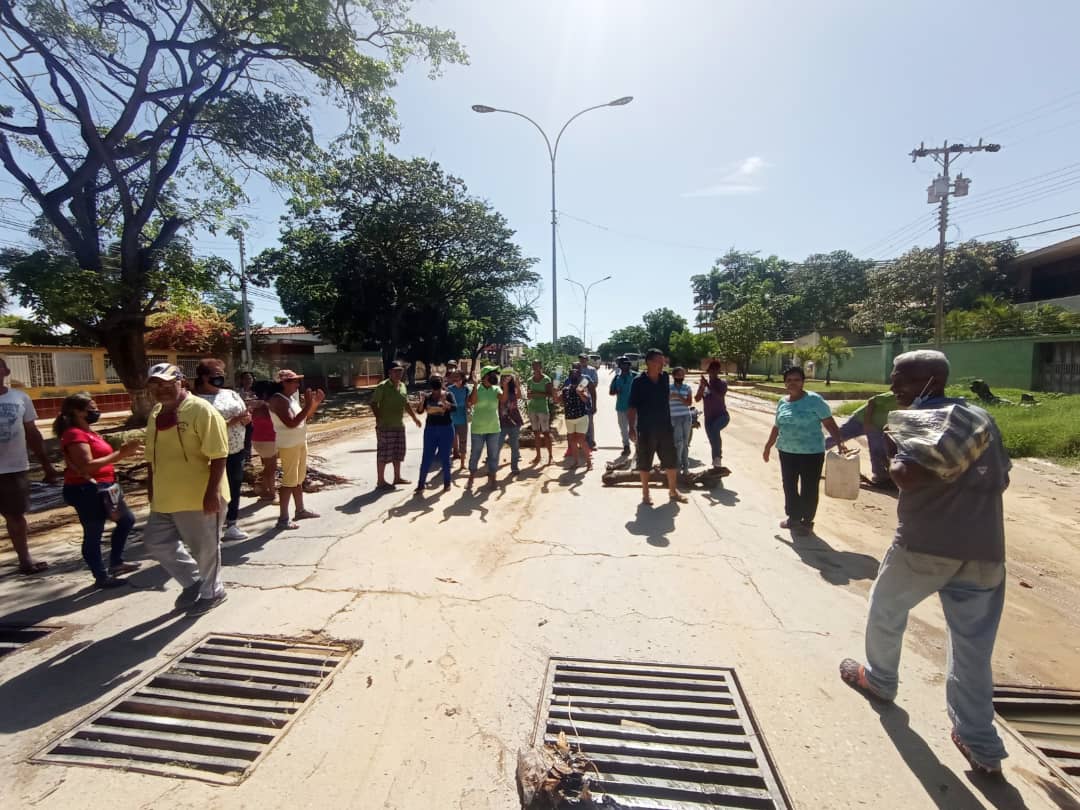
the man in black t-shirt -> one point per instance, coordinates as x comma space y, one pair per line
650, 424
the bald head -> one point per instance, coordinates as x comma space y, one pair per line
917, 373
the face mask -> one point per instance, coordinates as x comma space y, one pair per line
217, 382
436, 386
921, 398
92, 416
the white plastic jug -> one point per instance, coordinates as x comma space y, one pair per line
842, 475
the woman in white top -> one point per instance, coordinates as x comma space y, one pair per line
289, 414
210, 385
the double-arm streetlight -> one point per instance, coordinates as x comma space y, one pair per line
585, 315
553, 151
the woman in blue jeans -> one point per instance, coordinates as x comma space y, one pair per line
510, 421
439, 405
90, 487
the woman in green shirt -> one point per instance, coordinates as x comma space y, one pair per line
484, 400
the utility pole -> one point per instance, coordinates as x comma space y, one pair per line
238, 232
938, 192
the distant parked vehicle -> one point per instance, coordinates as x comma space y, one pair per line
635, 360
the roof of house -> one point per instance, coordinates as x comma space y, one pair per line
286, 330
1049, 254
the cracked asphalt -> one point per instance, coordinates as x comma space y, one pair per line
458, 601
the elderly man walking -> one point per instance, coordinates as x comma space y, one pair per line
186, 445
390, 401
951, 469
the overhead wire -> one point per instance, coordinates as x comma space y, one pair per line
1027, 224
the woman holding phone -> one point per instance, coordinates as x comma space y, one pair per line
439, 405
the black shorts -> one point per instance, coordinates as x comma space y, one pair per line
657, 442
14, 494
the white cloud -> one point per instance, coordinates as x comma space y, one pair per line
738, 179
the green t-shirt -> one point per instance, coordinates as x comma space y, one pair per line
390, 400
883, 403
540, 404
485, 415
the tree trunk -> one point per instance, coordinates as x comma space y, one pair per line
126, 346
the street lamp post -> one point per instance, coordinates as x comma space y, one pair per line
552, 153
585, 314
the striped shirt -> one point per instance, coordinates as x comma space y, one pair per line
679, 408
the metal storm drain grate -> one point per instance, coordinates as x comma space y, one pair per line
12, 638
1049, 719
212, 714
661, 736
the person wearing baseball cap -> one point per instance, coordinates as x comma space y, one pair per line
620, 389
186, 447
485, 399
390, 402
289, 414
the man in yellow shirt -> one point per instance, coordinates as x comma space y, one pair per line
186, 445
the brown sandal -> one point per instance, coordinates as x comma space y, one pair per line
33, 568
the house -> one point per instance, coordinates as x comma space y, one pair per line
1049, 275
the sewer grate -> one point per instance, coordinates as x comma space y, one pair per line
14, 638
212, 713
1049, 720
662, 736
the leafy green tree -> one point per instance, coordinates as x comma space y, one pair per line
902, 293
491, 319
688, 349
129, 120
660, 325
833, 348
389, 253
992, 317
627, 339
571, 345
740, 332
768, 351
808, 354
33, 333
826, 287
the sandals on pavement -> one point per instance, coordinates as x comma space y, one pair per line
978, 767
305, 514
854, 675
677, 497
285, 523
33, 568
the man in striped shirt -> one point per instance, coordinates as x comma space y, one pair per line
681, 418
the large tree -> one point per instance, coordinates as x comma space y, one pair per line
627, 339
388, 253
132, 119
661, 324
740, 332
900, 295
826, 287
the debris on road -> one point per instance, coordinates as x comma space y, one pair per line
549, 775
618, 472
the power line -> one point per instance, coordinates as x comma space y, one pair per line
1027, 224
632, 235
1039, 111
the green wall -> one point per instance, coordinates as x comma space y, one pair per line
867, 364
1005, 362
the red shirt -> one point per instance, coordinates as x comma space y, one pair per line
262, 426
99, 448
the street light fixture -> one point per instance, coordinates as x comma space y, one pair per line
553, 152
585, 315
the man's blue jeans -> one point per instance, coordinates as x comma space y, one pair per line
479, 442
438, 443
879, 458
972, 597
513, 434
681, 427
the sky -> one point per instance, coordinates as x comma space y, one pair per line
778, 126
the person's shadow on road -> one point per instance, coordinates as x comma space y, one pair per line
836, 567
654, 523
941, 784
721, 496
354, 506
470, 500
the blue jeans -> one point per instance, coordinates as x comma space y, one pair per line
234, 474
712, 430
972, 597
513, 434
479, 442
438, 443
879, 457
91, 511
681, 427
624, 427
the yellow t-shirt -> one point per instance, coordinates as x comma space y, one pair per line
180, 455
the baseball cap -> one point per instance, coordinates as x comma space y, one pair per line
288, 374
623, 359
488, 370
397, 366
164, 371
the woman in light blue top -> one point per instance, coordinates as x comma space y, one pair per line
797, 435
681, 418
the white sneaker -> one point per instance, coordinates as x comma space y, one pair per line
232, 532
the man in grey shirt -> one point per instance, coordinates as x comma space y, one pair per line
950, 540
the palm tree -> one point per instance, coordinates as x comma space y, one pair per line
834, 348
768, 350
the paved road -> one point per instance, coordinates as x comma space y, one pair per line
459, 601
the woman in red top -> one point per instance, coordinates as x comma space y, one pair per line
264, 437
88, 474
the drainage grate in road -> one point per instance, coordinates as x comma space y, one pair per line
211, 714
13, 638
1049, 719
662, 736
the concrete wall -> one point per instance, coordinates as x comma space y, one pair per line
1005, 362
866, 364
